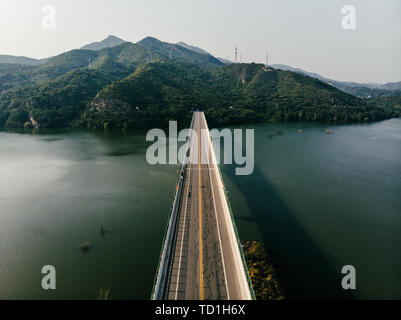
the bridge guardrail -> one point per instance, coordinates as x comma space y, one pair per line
237, 236
160, 281
159, 289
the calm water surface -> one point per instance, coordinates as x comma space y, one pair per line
319, 201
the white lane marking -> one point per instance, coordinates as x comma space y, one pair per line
244, 287
215, 212
183, 232
218, 231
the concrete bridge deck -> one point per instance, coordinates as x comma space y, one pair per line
202, 257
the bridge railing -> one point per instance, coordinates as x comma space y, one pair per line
166, 253
237, 236
160, 282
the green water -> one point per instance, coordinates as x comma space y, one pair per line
56, 190
319, 201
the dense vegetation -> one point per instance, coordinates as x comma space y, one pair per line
393, 102
144, 85
370, 92
264, 275
234, 94
13, 75
360, 90
180, 53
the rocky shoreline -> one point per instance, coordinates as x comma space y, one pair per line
264, 275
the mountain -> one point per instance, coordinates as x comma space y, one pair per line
14, 75
234, 94
193, 48
145, 84
362, 90
177, 52
20, 60
128, 54
310, 74
392, 86
191, 55
109, 42
60, 101
225, 61
201, 51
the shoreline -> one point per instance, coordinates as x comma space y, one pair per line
264, 274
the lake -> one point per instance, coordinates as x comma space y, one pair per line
318, 201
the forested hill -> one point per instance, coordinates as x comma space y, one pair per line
144, 85
234, 94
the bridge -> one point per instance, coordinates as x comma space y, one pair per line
201, 257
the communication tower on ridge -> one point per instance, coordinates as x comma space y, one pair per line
236, 55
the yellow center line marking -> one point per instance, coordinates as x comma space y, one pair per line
201, 294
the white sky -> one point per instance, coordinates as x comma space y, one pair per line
305, 34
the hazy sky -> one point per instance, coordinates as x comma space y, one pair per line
305, 34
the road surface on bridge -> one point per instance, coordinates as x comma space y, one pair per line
206, 262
